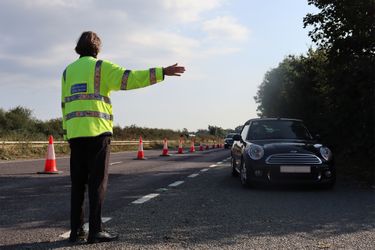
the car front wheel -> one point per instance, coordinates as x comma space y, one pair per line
244, 176
234, 171
329, 185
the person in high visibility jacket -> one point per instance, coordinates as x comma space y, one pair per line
88, 126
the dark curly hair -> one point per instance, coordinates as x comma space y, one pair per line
88, 44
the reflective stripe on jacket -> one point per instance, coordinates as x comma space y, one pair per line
86, 87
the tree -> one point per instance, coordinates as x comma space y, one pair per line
238, 129
216, 131
346, 30
3, 121
333, 87
53, 127
296, 89
19, 118
343, 27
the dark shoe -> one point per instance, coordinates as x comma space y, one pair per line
102, 236
77, 236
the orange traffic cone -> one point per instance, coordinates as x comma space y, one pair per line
165, 148
141, 153
180, 149
50, 164
192, 147
200, 147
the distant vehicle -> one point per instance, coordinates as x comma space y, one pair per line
274, 150
228, 141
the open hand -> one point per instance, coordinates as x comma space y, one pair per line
174, 70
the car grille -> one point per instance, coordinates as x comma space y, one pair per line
293, 159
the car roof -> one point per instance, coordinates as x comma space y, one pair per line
272, 119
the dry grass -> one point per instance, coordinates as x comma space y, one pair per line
29, 151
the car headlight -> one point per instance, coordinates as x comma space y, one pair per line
325, 153
255, 152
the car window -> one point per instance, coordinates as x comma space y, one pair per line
278, 129
244, 131
229, 136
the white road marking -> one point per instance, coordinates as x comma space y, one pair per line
204, 170
193, 175
220, 162
161, 190
115, 163
145, 198
85, 227
65, 235
212, 166
175, 184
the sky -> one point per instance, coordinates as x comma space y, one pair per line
226, 46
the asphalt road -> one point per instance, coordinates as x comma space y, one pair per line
196, 204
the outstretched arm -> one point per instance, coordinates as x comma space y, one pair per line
118, 78
174, 70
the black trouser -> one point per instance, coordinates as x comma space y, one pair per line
88, 165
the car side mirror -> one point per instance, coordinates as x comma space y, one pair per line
237, 137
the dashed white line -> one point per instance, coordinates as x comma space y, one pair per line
145, 198
115, 163
193, 175
175, 184
85, 227
161, 190
65, 235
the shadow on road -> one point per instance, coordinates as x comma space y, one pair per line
39, 245
217, 209
212, 207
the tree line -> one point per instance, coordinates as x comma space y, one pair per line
331, 87
19, 124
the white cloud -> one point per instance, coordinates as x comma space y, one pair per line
134, 33
214, 51
55, 55
160, 47
171, 43
226, 28
190, 10
57, 3
25, 79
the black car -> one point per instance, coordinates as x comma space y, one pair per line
228, 141
277, 150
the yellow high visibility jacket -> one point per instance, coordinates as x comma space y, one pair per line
86, 87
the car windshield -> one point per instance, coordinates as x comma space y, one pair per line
229, 136
278, 129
